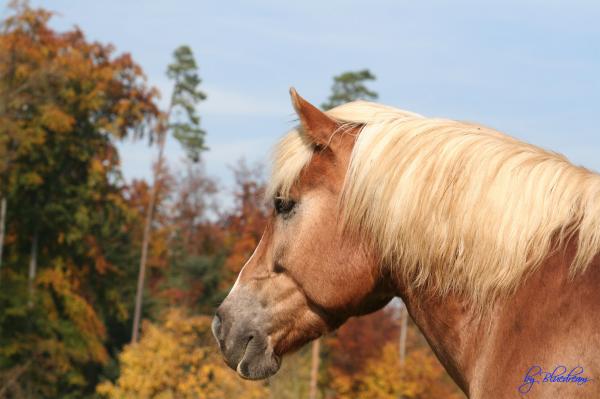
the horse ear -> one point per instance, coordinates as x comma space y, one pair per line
316, 124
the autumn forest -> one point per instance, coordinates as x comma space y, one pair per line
108, 286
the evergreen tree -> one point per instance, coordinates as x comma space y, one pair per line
182, 120
350, 86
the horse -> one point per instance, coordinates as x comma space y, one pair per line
492, 244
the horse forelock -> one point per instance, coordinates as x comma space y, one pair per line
454, 206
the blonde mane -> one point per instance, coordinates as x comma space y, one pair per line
452, 205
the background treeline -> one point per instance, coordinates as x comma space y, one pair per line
73, 233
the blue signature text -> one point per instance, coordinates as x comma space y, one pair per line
536, 375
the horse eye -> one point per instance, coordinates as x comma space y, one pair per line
277, 268
284, 206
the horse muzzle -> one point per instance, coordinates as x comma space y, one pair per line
239, 327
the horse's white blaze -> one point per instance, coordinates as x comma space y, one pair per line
237, 280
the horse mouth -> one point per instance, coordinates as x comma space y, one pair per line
258, 360
245, 342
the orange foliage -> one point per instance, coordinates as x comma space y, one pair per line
64, 102
360, 340
138, 194
195, 201
177, 360
422, 377
365, 362
246, 224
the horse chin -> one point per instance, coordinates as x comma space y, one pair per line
259, 360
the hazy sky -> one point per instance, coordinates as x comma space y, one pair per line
528, 68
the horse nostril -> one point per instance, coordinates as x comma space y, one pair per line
216, 327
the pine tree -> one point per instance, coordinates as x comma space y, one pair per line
350, 86
181, 119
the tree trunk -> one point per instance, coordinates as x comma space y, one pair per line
403, 328
11, 379
30, 293
2, 227
146, 239
314, 368
32, 268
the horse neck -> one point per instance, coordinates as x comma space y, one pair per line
516, 329
448, 326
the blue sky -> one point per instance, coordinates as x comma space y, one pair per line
528, 68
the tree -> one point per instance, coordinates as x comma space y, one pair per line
196, 206
364, 362
182, 117
209, 245
421, 378
197, 249
177, 359
289, 382
2, 227
361, 339
15, 90
182, 120
350, 86
246, 222
64, 101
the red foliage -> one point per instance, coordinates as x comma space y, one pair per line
361, 339
245, 225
